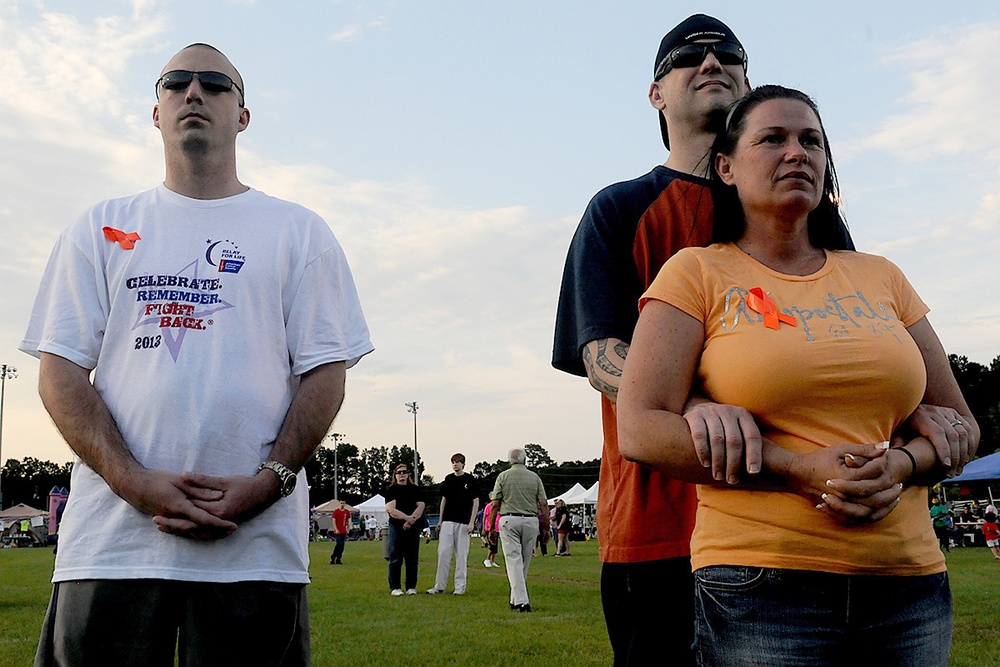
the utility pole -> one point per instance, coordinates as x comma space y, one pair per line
6, 373
336, 445
412, 407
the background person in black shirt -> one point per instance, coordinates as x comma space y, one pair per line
459, 504
404, 502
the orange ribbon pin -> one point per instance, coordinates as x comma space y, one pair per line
761, 303
127, 241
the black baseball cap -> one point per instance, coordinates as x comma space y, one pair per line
688, 31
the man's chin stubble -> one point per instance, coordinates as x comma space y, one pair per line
194, 145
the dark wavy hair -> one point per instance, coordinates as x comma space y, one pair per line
827, 225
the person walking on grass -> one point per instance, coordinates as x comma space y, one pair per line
491, 532
459, 504
341, 529
518, 496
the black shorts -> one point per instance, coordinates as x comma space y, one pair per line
144, 622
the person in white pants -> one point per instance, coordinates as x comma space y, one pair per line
459, 505
520, 498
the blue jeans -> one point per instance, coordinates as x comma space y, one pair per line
751, 616
338, 550
404, 547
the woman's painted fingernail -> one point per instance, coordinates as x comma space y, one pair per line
883, 445
825, 497
829, 482
820, 506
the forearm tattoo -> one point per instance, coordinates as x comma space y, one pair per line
605, 370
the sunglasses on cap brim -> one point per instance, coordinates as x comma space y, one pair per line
213, 83
693, 55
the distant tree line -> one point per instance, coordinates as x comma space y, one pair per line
360, 475
363, 473
29, 481
981, 387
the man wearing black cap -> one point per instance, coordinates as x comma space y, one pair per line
627, 233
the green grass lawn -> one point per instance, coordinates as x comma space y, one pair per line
356, 622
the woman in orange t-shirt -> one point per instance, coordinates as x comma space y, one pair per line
823, 555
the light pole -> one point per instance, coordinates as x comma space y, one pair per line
412, 407
6, 373
336, 443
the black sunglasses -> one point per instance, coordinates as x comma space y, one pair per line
211, 82
402, 472
693, 55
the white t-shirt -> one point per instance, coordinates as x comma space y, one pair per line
197, 336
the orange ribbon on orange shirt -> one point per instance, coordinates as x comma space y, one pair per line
118, 236
761, 303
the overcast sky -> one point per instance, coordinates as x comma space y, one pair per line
453, 146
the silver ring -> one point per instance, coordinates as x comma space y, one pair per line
957, 422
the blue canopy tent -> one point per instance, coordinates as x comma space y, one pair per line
983, 469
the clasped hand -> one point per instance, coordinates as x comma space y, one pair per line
851, 483
198, 506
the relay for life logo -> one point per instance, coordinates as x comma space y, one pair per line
225, 255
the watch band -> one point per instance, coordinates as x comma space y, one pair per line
284, 474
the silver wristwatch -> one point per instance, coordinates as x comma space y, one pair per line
284, 473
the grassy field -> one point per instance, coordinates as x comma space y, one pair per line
356, 622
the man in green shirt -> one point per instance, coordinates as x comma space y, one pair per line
939, 516
520, 498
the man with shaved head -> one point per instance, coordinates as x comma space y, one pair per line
194, 341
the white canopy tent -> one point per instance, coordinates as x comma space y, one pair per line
586, 499
578, 495
374, 506
21, 511
10, 522
570, 497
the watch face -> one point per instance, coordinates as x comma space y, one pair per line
286, 476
